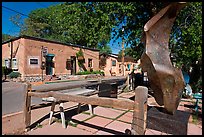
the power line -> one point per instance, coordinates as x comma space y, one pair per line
23, 14
15, 11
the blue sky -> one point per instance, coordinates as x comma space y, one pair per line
26, 7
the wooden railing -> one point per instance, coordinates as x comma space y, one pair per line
139, 106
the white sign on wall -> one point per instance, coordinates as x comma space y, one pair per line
45, 51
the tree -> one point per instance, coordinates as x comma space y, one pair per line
186, 42
6, 37
104, 48
133, 51
82, 23
91, 23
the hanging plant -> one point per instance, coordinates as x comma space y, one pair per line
80, 55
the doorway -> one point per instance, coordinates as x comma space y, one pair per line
73, 65
49, 64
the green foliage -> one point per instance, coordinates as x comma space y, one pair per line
3, 70
6, 37
130, 51
89, 72
80, 57
104, 48
14, 74
80, 53
39, 125
186, 39
186, 42
82, 23
6, 71
93, 24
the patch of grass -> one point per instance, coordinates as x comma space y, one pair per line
84, 112
126, 89
195, 118
71, 123
39, 125
120, 115
57, 120
90, 72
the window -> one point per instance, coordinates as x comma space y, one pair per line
120, 68
14, 63
68, 64
128, 67
33, 61
113, 62
7, 63
89, 62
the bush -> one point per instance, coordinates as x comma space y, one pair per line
6, 71
3, 70
88, 72
14, 74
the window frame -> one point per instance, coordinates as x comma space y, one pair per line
34, 58
113, 65
90, 62
14, 66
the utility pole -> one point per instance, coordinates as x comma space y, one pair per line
123, 67
11, 44
42, 61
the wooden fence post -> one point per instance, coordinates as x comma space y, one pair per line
27, 106
131, 81
139, 111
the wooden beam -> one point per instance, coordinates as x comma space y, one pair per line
140, 111
27, 106
46, 88
101, 101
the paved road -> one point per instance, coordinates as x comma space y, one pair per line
13, 94
13, 97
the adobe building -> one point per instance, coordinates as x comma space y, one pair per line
111, 64
36, 58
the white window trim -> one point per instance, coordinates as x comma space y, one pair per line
34, 65
16, 67
34, 58
8, 62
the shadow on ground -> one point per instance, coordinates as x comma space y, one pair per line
71, 112
176, 124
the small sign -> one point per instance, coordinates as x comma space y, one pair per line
45, 51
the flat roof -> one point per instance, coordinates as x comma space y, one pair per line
46, 40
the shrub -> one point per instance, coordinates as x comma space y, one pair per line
3, 70
84, 73
14, 74
6, 71
88, 72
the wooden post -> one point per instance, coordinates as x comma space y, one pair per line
78, 108
27, 107
52, 112
62, 115
131, 81
90, 109
128, 81
140, 111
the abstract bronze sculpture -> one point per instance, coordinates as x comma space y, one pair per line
166, 81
